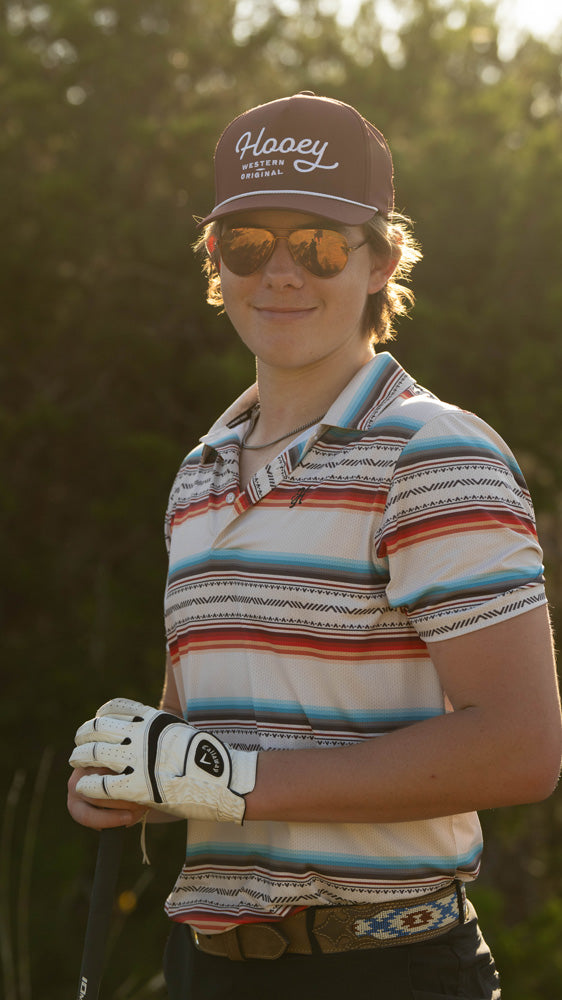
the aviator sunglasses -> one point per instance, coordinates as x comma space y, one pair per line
244, 249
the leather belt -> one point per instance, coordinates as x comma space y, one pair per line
331, 929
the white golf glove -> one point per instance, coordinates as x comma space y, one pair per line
162, 762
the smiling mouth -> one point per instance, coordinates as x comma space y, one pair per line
285, 310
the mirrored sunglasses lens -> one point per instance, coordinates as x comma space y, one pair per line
245, 250
321, 251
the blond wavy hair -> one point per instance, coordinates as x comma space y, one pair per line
390, 238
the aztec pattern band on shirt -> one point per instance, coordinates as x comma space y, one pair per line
298, 612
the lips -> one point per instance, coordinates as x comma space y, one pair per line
285, 310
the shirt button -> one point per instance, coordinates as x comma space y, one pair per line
230, 497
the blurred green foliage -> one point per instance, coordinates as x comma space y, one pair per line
112, 366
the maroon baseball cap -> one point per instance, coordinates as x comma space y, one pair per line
305, 153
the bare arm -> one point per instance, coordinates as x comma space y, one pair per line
500, 746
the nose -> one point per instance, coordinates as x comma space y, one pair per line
281, 269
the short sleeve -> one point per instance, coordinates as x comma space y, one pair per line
169, 517
178, 490
458, 530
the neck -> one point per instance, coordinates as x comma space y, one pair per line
290, 398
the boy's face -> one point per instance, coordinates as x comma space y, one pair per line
288, 317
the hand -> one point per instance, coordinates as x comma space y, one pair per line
161, 762
94, 814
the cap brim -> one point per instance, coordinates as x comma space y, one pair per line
348, 213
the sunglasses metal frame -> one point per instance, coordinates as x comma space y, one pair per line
214, 247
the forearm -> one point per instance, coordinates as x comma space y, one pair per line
442, 766
500, 746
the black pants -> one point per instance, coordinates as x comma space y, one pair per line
457, 964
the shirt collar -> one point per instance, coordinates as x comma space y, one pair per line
231, 425
369, 392
357, 407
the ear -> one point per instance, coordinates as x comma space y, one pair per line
381, 272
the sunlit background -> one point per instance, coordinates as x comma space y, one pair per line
515, 18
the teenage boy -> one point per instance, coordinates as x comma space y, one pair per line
359, 650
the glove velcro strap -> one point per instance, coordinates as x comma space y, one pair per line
222, 776
160, 722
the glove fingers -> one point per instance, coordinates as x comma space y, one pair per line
109, 730
103, 786
105, 754
92, 786
124, 708
111, 786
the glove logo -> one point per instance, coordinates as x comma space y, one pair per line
208, 758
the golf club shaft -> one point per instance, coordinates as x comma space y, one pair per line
108, 860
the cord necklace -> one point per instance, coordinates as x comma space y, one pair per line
268, 444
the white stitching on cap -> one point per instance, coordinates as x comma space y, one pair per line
309, 194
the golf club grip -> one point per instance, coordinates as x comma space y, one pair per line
108, 860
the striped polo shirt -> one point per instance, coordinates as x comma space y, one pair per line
297, 616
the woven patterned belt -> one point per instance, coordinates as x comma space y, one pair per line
331, 929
